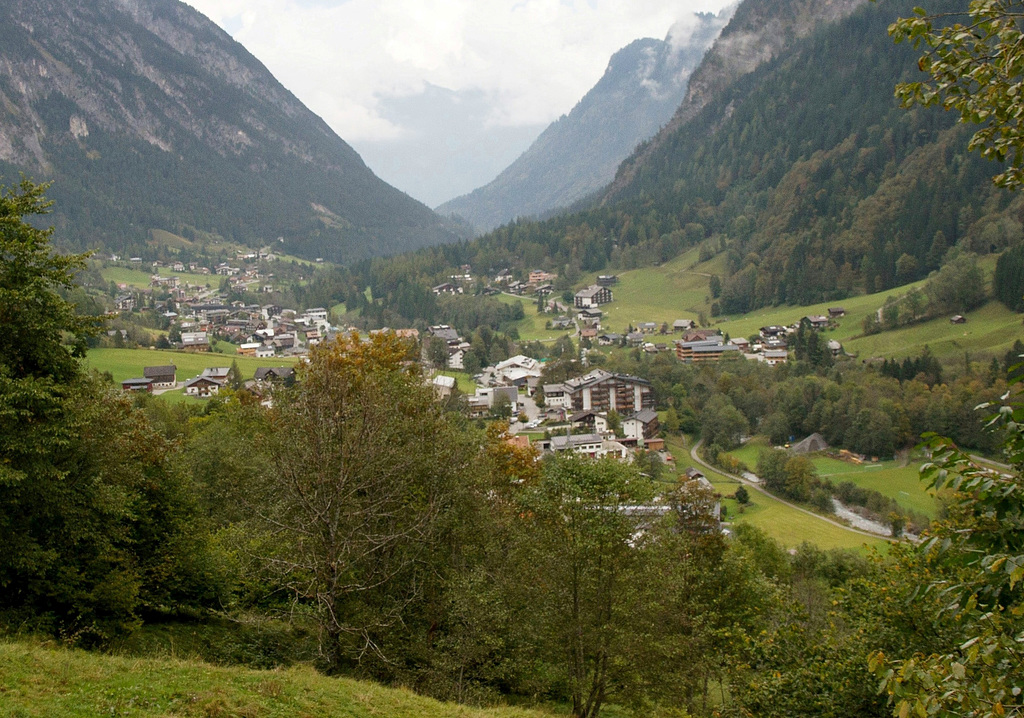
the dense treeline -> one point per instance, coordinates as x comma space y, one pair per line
854, 406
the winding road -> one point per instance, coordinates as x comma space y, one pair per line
696, 457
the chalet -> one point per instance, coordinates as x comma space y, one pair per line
220, 373
836, 312
503, 277
561, 323
773, 330
641, 425
774, 357
607, 280
540, 276
588, 333
589, 444
682, 325
608, 339
699, 335
195, 341
590, 313
444, 333
592, 420
518, 288
602, 390
557, 395
446, 288
275, 374
592, 296
125, 302
817, 321
203, 386
517, 368
958, 319
163, 377
647, 327
443, 386
743, 343
543, 290
139, 384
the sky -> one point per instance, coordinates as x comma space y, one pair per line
438, 96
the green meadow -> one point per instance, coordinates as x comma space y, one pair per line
678, 289
899, 481
783, 523
140, 278
44, 681
531, 327
128, 363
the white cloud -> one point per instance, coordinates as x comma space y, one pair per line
533, 59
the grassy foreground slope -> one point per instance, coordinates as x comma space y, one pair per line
41, 681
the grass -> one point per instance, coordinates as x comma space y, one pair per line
41, 680
678, 289
890, 478
128, 363
784, 524
531, 327
140, 278
463, 380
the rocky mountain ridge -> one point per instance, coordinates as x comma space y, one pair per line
146, 115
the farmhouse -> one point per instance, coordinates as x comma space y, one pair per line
139, 384
163, 377
203, 386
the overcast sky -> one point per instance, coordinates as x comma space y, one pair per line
438, 96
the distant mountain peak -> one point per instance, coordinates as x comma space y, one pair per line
577, 154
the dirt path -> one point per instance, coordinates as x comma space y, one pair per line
694, 455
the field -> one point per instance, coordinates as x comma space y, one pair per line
786, 525
40, 680
140, 278
463, 380
889, 478
127, 363
531, 327
678, 289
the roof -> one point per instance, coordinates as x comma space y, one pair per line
274, 372
645, 416
591, 291
684, 323
216, 372
553, 388
814, 442
155, 371
140, 381
448, 382
561, 442
715, 348
194, 381
581, 415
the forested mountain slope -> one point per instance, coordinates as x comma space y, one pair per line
578, 153
805, 173
146, 115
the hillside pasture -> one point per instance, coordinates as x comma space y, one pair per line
128, 363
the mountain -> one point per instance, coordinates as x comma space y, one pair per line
578, 153
145, 115
798, 172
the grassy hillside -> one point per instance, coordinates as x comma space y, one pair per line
139, 278
38, 680
678, 289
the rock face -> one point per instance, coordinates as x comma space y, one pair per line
758, 32
146, 115
578, 154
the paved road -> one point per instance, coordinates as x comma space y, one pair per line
758, 487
